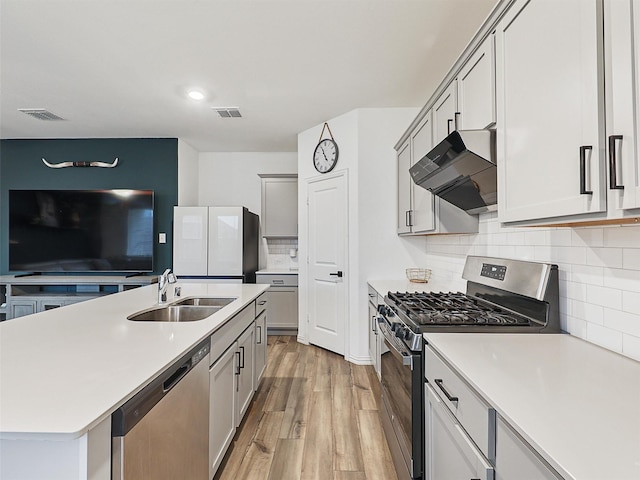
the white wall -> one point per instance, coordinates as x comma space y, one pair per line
187, 175
232, 178
365, 138
599, 273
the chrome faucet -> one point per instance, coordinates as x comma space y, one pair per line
163, 282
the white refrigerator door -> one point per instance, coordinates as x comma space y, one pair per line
190, 240
225, 241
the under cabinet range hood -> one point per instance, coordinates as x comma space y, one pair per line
461, 170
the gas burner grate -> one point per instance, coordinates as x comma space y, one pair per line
440, 308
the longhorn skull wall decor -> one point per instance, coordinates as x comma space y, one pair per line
81, 164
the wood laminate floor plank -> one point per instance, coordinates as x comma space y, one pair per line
348, 455
314, 417
378, 464
287, 461
259, 456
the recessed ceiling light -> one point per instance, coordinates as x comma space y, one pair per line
195, 94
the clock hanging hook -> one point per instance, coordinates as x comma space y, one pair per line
326, 125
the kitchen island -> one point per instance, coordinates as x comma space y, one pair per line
564, 407
63, 373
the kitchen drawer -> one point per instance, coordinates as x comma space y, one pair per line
475, 416
261, 304
373, 295
230, 331
277, 279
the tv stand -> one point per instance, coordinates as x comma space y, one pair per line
24, 294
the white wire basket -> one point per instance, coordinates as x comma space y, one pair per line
418, 275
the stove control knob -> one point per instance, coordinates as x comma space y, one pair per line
400, 331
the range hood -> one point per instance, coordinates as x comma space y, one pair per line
461, 170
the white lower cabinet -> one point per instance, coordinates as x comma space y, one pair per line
222, 409
282, 299
244, 371
515, 460
450, 453
237, 361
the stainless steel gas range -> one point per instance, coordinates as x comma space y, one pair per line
508, 296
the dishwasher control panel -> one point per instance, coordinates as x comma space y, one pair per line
200, 354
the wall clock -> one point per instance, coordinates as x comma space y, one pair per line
325, 156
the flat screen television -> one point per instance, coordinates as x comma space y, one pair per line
81, 231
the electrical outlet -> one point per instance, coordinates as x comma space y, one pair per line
162, 238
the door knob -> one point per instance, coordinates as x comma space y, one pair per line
337, 274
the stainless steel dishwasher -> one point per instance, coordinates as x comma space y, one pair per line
162, 433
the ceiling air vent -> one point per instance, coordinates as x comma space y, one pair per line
40, 114
228, 112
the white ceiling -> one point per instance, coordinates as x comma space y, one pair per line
120, 68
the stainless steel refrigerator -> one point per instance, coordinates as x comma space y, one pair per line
216, 243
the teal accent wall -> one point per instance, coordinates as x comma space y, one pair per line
143, 163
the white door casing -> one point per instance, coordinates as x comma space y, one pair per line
327, 205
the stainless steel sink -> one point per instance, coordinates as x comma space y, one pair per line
206, 301
175, 313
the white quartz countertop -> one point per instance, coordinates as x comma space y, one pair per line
574, 402
64, 370
277, 271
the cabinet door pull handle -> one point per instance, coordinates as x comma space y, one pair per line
583, 170
411, 218
455, 119
449, 122
259, 327
336, 274
238, 363
262, 302
613, 181
406, 218
438, 382
242, 361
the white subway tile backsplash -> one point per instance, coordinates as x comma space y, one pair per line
588, 311
606, 337
587, 274
525, 252
570, 255
599, 273
604, 257
607, 297
622, 236
621, 279
587, 237
631, 258
631, 302
560, 237
576, 326
537, 237
622, 321
631, 346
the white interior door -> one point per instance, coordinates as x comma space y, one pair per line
327, 295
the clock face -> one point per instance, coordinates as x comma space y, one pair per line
326, 155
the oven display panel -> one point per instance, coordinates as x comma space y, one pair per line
497, 272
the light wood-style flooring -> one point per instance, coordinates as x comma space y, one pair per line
314, 417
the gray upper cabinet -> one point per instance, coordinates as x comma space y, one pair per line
279, 205
477, 89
